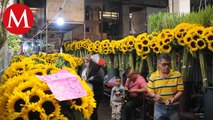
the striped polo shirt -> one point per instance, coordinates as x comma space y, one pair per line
166, 87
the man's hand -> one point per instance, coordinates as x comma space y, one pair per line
157, 98
170, 101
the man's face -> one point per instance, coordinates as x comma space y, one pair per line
164, 66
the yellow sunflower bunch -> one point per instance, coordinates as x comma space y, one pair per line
67, 46
129, 41
194, 40
153, 42
51, 58
208, 36
86, 43
106, 47
164, 39
95, 47
90, 48
67, 60
181, 30
24, 96
142, 45
73, 45
123, 46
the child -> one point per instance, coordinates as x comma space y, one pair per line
116, 99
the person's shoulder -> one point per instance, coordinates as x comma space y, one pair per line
176, 73
153, 75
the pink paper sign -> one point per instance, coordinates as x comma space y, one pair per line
64, 85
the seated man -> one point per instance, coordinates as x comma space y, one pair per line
135, 85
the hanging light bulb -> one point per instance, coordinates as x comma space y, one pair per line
60, 21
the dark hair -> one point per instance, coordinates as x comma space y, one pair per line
165, 56
127, 70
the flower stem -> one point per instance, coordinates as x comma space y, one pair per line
185, 63
203, 68
149, 62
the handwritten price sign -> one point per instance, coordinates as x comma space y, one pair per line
64, 85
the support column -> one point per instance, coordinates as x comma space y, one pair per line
180, 6
124, 16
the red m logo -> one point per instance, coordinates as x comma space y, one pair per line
18, 19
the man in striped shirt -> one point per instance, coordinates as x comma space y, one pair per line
165, 86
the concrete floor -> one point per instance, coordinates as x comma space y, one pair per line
104, 110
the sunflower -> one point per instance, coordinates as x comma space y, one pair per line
201, 44
208, 33
49, 104
166, 48
35, 95
17, 101
193, 46
33, 112
146, 50
130, 41
12, 83
210, 45
41, 72
156, 49
28, 85
80, 103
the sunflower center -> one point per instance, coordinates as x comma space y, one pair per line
19, 69
19, 105
210, 37
145, 49
193, 44
195, 37
139, 46
19, 118
39, 73
188, 39
34, 99
34, 115
200, 32
48, 107
27, 89
48, 92
78, 101
167, 40
145, 42
179, 36
200, 43
156, 49
166, 47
